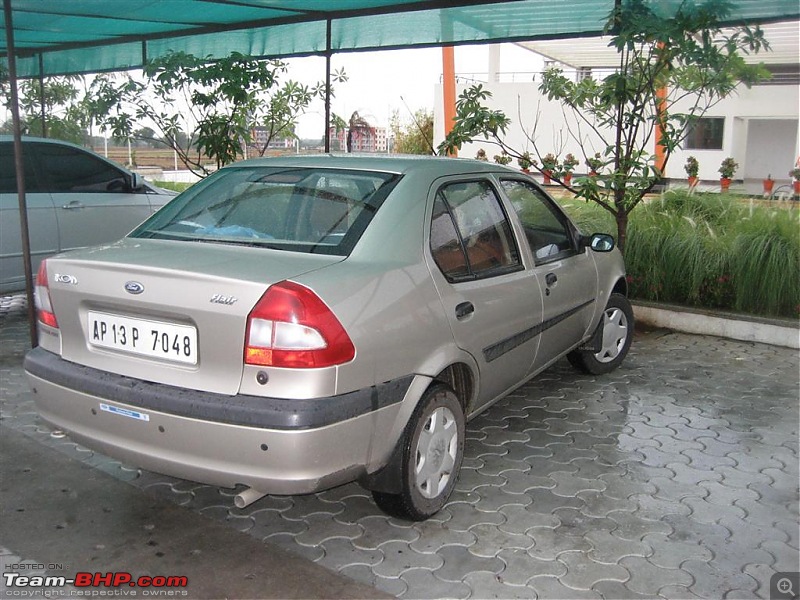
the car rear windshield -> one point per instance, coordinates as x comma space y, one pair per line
312, 210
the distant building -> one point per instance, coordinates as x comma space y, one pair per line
373, 139
259, 135
757, 126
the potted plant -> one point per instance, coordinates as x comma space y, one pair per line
795, 173
692, 167
569, 164
502, 158
525, 162
595, 163
768, 184
727, 169
481, 155
549, 166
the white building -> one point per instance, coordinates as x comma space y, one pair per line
759, 127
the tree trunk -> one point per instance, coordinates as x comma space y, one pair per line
622, 229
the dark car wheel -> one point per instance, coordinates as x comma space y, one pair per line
433, 448
617, 337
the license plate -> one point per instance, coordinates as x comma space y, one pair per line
156, 339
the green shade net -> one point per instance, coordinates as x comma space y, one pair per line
84, 36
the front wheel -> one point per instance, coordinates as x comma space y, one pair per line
433, 448
617, 337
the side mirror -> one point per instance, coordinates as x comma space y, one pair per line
601, 242
136, 182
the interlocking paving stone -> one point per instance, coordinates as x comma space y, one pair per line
491, 538
458, 561
669, 552
521, 567
646, 578
617, 591
487, 585
583, 573
609, 549
708, 580
551, 587
673, 477
423, 584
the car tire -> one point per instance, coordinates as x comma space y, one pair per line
617, 337
433, 448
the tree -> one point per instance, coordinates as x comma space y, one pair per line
688, 55
206, 110
358, 128
65, 114
415, 136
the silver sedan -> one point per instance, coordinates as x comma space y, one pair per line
294, 324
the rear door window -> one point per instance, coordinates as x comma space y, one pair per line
470, 235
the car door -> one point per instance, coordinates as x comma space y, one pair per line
565, 270
491, 301
93, 200
42, 226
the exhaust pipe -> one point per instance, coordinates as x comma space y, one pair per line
247, 497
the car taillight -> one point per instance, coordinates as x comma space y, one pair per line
44, 308
291, 326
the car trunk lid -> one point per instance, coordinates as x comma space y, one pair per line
165, 311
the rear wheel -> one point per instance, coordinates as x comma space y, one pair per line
617, 337
433, 448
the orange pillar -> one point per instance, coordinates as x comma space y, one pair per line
449, 89
661, 96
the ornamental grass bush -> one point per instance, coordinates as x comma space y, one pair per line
708, 251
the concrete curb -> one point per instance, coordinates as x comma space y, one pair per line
778, 332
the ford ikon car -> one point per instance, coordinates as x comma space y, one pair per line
289, 325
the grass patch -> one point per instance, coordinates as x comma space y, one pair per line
175, 186
709, 251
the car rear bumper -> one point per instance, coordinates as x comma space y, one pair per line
274, 448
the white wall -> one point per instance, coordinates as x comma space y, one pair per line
762, 132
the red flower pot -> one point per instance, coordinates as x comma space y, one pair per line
692, 181
725, 183
567, 178
768, 185
796, 187
547, 175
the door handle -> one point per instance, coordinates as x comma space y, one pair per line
72, 205
550, 279
464, 309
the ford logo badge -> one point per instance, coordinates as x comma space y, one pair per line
134, 287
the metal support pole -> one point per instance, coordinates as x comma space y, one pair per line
20, 172
328, 86
41, 96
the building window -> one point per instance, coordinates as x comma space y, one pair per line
705, 134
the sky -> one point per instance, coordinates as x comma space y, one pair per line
403, 80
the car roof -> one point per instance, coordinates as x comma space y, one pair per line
31, 138
403, 164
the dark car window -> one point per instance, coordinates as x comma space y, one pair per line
545, 227
73, 170
301, 209
484, 235
8, 170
